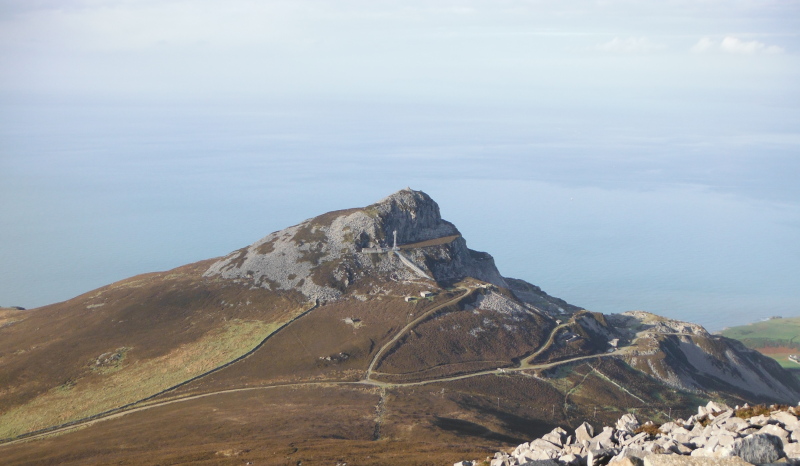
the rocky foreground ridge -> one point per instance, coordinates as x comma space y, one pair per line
717, 434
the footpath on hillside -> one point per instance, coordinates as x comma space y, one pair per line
151, 401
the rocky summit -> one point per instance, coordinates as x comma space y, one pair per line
372, 335
322, 257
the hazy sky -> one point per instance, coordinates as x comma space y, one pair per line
621, 154
448, 50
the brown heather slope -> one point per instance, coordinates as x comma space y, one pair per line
364, 376
273, 426
83, 356
321, 346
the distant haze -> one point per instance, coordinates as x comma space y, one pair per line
619, 154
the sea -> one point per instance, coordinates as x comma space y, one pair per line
606, 208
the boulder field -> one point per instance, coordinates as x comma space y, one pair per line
716, 435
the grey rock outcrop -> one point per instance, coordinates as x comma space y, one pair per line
674, 460
687, 357
713, 436
758, 448
321, 257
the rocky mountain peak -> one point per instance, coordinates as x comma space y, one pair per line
413, 214
323, 256
392, 355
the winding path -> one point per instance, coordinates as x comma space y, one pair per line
410, 325
149, 403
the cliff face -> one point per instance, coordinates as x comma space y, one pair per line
322, 257
413, 214
686, 356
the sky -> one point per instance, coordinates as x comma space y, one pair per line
620, 154
442, 50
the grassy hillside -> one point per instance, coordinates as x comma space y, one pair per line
240, 360
125, 342
776, 338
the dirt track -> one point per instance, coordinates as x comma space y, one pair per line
146, 403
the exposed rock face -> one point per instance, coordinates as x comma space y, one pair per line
413, 214
323, 256
532, 294
714, 436
454, 261
686, 356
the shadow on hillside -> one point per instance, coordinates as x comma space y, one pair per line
795, 371
461, 427
518, 429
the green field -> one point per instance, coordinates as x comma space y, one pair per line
776, 338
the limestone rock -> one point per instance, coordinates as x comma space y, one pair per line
734, 424
784, 418
792, 451
633, 456
628, 423
776, 431
522, 447
600, 457
636, 439
726, 440
681, 435
541, 463
792, 427
668, 426
541, 444
654, 448
625, 461
570, 460
716, 407
722, 417
699, 441
603, 439
676, 460
758, 448
729, 441
584, 431
557, 436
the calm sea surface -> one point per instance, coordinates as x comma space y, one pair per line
692, 222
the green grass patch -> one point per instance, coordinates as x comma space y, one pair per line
773, 332
126, 383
